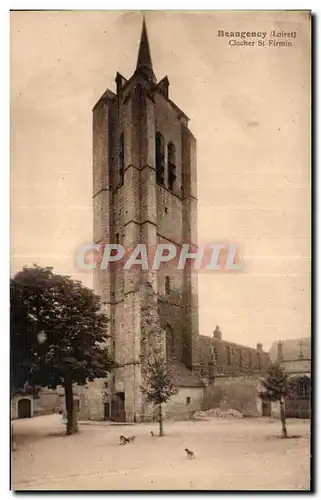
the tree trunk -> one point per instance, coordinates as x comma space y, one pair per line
282, 414
75, 427
13, 439
72, 424
160, 420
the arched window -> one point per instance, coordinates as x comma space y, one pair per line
169, 341
160, 158
171, 161
167, 285
228, 355
121, 158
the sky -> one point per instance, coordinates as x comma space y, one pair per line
249, 108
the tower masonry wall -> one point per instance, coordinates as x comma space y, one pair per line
130, 208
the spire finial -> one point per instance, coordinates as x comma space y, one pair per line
144, 60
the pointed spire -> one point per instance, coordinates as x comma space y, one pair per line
144, 60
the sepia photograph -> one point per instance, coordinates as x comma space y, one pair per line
160, 250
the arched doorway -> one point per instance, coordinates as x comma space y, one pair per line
118, 407
24, 408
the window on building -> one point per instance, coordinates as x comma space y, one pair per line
188, 400
303, 390
169, 341
121, 158
303, 387
228, 355
171, 162
160, 159
250, 360
167, 285
240, 359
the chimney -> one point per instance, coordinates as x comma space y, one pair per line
217, 334
259, 347
280, 352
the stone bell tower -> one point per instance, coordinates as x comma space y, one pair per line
144, 176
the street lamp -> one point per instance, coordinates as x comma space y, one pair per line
42, 337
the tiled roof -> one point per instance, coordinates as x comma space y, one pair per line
182, 376
292, 349
204, 348
205, 343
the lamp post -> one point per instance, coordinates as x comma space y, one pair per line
42, 337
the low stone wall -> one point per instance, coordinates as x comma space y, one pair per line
46, 403
15, 406
88, 400
185, 403
91, 405
238, 393
298, 408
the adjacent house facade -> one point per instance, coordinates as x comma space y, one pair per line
294, 356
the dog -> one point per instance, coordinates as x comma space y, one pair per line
123, 440
190, 454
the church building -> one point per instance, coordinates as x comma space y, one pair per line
145, 192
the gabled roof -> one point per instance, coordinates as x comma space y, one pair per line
292, 349
182, 376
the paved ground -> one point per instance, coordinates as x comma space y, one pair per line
240, 454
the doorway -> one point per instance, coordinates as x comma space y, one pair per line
24, 408
266, 408
118, 407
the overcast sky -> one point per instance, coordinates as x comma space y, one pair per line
249, 110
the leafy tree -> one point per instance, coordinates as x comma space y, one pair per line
22, 340
58, 334
159, 386
276, 386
